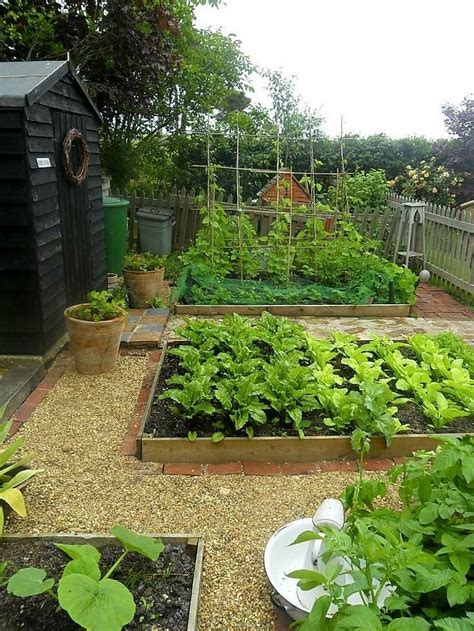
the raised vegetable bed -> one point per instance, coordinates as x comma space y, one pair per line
166, 593
170, 432
229, 269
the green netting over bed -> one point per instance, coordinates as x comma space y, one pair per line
197, 286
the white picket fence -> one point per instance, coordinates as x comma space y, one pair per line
449, 235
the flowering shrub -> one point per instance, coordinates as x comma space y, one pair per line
429, 182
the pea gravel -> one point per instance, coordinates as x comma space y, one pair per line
87, 485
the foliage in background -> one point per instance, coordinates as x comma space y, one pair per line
430, 182
155, 78
421, 556
458, 153
360, 191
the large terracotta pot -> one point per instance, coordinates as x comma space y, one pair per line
142, 287
94, 345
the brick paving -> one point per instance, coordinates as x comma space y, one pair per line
435, 304
261, 468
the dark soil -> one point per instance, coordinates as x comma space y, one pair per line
164, 422
161, 589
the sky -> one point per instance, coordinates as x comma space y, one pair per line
383, 66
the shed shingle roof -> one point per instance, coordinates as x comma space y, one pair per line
24, 82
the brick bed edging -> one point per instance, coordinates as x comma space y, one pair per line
260, 468
28, 407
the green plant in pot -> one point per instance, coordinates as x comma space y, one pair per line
143, 274
13, 476
94, 330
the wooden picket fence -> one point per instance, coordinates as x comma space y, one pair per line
187, 217
449, 232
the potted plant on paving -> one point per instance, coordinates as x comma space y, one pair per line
143, 275
13, 477
95, 329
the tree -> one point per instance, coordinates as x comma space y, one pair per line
128, 52
458, 153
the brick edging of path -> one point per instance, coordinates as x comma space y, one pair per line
28, 407
259, 468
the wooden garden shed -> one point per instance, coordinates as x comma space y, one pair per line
284, 186
52, 250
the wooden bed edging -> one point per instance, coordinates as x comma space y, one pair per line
194, 547
336, 311
277, 450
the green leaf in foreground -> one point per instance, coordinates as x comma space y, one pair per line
317, 617
29, 581
192, 436
105, 605
132, 542
86, 566
409, 624
356, 618
217, 437
79, 551
453, 624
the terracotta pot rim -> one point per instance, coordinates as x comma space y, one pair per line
140, 271
102, 322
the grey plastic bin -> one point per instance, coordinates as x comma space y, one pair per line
155, 226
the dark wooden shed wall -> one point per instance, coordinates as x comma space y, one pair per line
32, 280
19, 300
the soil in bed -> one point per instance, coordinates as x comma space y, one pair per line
161, 589
163, 422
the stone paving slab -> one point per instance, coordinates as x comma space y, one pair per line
144, 327
364, 328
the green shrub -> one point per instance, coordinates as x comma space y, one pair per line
360, 191
429, 182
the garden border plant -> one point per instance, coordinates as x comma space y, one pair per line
82, 572
304, 381
13, 476
423, 551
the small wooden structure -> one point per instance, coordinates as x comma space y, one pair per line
284, 186
52, 250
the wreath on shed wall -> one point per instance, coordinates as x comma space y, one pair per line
75, 138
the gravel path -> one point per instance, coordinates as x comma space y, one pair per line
87, 485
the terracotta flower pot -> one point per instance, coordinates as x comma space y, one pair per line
94, 345
142, 287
